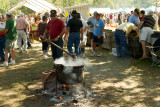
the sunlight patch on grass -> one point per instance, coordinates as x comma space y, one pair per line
138, 90
127, 83
131, 69
34, 86
24, 64
28, 59
87, 73
12, 97
101, 63
157, 98
128, 98
105, 70
140, 105
103, 85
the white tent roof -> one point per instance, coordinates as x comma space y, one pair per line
100, 10
82, 9
36, 5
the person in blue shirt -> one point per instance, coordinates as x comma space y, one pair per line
134, 18
98, 34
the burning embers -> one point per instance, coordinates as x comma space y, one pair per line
69, 93
64, 89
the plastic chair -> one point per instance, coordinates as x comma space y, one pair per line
155, 55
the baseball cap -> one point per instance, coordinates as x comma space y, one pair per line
74, 12
95, 13
9, 13
53, 13
151, 13
137, 10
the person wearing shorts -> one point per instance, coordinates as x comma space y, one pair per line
90, 23
42, 27
11, 36
98, 34
147, 24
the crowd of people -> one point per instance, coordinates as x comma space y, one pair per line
49, 28
52, 27
140, 22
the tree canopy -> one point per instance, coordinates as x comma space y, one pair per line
113, 4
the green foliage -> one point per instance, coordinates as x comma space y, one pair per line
26, 10
114, 4
4, 5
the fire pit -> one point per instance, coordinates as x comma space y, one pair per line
68, 94
70, 74
69, 88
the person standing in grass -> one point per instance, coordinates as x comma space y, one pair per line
21, 27
134, 18
2, 43
90, 22
75, 31
98, 34
84, 41
56, 29
147, 24
11, 36
42, 27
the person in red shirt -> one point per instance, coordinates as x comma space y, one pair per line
56, 29
142, 13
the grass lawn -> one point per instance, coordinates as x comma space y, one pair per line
124, 82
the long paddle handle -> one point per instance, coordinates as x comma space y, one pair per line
61, 48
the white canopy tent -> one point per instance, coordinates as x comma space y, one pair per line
39, 6
82, 9
100, 10
157, 4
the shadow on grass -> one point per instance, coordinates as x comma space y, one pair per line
117, 81
18, 79
124, 81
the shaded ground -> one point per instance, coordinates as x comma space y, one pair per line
119, 82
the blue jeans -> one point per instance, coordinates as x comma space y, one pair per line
74, 38
121, 43
56, 52
28, 43
81, 50
2, 47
